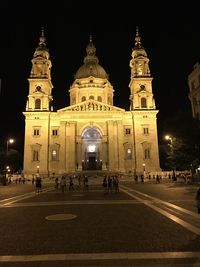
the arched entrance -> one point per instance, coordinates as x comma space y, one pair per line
91, 149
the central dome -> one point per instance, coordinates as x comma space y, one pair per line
91, 66
91, 69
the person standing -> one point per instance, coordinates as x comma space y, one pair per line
198, 200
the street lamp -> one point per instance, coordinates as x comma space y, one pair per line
171, 141
144, 170
38, 169
168, 138
9, 141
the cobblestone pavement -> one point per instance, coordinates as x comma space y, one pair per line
144, 225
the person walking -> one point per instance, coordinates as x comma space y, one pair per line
71, 184
63, 184
105, 184
198, 200
116, 183
110, 184
56, 183
38, 184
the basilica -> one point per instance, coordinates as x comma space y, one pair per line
92, 133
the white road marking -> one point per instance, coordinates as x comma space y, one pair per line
164, 202
100, 256
9, 201
185, 224
71, 202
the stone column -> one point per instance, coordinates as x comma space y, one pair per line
111, 147
120, 138
78, 153
104, 153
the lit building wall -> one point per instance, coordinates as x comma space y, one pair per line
91, 133
194, 90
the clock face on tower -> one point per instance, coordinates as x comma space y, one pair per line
142, 87
38, 88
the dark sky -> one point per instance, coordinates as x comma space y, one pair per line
170, 35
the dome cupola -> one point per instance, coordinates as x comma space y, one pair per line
91, 65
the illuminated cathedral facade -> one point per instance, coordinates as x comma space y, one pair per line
91, 133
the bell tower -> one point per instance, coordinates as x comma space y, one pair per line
40, 86
141, 96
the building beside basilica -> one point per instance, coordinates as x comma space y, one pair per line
194, 90
91, 133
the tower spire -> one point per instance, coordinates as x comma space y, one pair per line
91, 52
141, 81
138, 38
40, 86
90, 38
42, 38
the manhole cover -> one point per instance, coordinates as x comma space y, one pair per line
61, 217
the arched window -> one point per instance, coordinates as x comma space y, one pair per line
38, 104
109, 100
129, 153
35, 155
91, 97
147, 153
83, 98
143, 102
91, 133
73, 100
99, 98
54, 154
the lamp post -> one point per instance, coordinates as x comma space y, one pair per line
7, 169
170, 140
9, 141
38, 169
144, 170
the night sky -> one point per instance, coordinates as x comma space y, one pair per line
170, 35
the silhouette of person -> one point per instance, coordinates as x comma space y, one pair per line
198, 200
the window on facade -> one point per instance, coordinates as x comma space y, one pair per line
37, 104
127, 131
83, 98
54, 132
73, 100
99, 98
91, 97
36, 132
109, 100
147, 153
35, 155
143, 102
145, 130
54, 155
129, 153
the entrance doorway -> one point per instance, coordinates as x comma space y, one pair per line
92, 163
91, 149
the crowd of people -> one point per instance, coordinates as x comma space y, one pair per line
68, 181
111, 183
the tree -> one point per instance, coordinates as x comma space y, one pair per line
183, 151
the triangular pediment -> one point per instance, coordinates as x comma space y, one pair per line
91, 105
